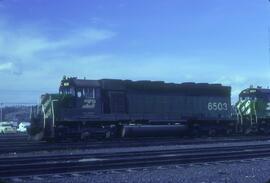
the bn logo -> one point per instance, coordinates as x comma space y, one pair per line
89, 103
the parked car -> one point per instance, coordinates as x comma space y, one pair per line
23, 126
7, 127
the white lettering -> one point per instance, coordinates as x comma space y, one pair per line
217, 106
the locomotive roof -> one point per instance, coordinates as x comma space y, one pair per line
103, 82
86, 83
255, 92
116, 84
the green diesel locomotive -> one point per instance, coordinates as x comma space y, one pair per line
253, 111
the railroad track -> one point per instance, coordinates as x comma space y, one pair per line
26, 166
10, 138
13, 136
30, 146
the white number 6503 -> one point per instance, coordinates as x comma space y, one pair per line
217, 106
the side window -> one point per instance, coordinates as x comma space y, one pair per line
85, 92
72, 91
68, 91
89, 92
79, 94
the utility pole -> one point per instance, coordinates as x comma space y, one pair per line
1, 109
269, 39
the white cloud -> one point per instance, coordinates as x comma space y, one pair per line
232, 79
33, 47
82, 37
6, 66
46, 59
33, 58
24, 43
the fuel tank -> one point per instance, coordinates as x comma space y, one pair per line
154, 130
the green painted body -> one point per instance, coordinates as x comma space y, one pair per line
253, 111
251, 102
258, 107
51, 104
48, 113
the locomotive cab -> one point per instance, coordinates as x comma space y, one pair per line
86, 101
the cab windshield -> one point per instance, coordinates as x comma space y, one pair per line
68, 91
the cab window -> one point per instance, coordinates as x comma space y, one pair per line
89, 92
86, 92
79, 94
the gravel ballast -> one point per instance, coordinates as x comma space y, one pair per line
245, 171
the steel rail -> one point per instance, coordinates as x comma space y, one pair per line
75, 163
44, 146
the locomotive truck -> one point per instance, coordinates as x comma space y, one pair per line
110, 108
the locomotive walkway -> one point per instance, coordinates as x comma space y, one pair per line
52, 164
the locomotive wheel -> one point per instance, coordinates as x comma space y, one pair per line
108, 135
229, 132
212, 133
85, 135
195, 132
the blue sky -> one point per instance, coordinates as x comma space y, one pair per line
215, 41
